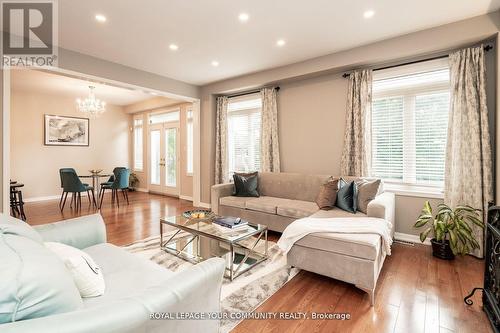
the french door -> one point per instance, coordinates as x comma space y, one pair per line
164, 158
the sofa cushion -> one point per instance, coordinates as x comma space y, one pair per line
367, 191
265, 204
297, 209
328, 194
33, 281
86, 274
12, 226
291, 185
336, 212
125, 274
245, 185
232, 201
365, 246
347, 196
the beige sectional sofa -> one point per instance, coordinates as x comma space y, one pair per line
285, 197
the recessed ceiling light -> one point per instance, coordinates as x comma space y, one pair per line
369, 13
215, 63
243, 17
100, 18
280, 42
173, 47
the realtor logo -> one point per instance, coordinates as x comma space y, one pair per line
29, 33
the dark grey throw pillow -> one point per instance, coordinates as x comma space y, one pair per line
246, 185
347, 196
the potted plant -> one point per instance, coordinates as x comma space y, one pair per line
451, 229
133, 181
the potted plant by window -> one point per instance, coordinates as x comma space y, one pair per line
451, 229
133, 181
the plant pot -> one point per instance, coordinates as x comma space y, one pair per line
442, 250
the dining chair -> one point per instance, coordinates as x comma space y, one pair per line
112, 177
60, 176
120, 182
72, 184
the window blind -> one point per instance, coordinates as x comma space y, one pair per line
244, 126
409, 125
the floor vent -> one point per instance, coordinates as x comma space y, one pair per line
404, 242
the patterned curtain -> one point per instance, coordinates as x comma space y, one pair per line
468, 175
269, 143
357, 138
221, 168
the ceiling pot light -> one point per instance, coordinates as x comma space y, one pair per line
243, 17
100, 18
173, 47
280, 42
368, 14
215, 63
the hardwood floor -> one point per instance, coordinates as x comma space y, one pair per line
415, 292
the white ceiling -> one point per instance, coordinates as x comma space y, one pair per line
49, 83
138, 33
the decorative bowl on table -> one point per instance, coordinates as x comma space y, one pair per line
198, 214
95, 171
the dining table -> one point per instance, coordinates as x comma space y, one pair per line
96, 181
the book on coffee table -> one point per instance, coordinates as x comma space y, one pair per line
230, 222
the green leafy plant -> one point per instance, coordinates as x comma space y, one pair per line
133, 181
449, 224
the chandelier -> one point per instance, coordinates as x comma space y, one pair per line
91, 105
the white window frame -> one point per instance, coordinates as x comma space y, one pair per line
141, 118
248, 111
189, 141
409, 187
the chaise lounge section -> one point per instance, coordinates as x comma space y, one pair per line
286, 197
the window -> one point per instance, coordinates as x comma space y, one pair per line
409, 124
138, 145
164, 117
189, 141
243, 133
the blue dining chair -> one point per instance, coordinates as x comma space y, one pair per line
112, 177
62, 187
72, 184
120, 182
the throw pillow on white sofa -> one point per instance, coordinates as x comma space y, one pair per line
86, 274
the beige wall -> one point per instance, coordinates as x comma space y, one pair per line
312, 102
142, 109
37, 165
1, 142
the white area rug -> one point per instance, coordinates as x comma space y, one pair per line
243, 294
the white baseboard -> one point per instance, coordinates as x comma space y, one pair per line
411, 238
142, 190
205, 205
49, 197
185, 197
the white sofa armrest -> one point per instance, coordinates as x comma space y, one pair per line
384, 207
220, 191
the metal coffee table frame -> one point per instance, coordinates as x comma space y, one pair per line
231, 272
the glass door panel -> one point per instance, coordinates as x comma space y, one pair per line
171, 157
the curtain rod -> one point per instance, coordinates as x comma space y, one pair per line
249, 93
346, 75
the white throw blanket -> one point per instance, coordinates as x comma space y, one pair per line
342, 225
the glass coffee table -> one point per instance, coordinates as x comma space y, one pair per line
196, 240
